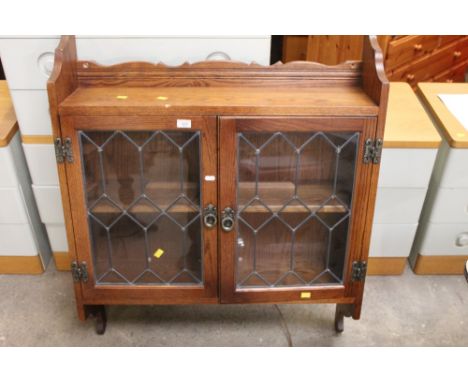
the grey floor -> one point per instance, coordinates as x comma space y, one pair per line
398, 311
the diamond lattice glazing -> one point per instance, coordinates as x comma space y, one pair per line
294, 199
143, 204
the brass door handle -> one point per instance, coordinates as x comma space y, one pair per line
227, 219
210, 216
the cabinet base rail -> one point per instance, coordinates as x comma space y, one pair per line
98, 313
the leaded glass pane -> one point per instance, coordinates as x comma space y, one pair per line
143, 201
294, 200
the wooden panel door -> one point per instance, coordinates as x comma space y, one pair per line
295, 192
138, 189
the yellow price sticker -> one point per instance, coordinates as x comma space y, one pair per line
306, 295
158, 253
121, 97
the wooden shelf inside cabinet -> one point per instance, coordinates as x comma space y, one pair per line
277, 195
218, 181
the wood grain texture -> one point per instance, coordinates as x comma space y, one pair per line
218, 74
298, 96
61, 83
374, 79
449, 126
334, 49
37, 139
327, 49
8, 124
62, 261
439, 265
83, 252
408, 125
223, 101
456, 73
425, 58
21, 265
429, 66
410, 58
294, 48
376, 85
409, 48
386, 266
228, 198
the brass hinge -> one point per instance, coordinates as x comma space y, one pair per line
359, 270
63, 151
373, 150
79, 271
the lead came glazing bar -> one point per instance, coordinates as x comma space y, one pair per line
294, 227
139, 189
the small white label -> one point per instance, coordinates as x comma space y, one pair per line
184, 123
210, 178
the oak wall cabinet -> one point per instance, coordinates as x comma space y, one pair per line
218, 182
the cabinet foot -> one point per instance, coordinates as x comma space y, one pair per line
342, 311
99, 313
339, 321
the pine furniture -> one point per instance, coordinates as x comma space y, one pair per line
409, 58
441, 244
218, 182
410, 147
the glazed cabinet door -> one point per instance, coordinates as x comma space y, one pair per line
138, 189
293, 197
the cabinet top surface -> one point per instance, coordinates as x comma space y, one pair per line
316, 101
408, 125
452, 130
8, 125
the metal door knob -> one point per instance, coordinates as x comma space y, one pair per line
227, 219
210, 216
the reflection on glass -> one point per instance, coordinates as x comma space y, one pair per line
143, 201
294, 200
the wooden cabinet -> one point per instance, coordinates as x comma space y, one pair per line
218, 182
408, 58
441, 61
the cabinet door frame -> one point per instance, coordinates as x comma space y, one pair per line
81, 250
339, 293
